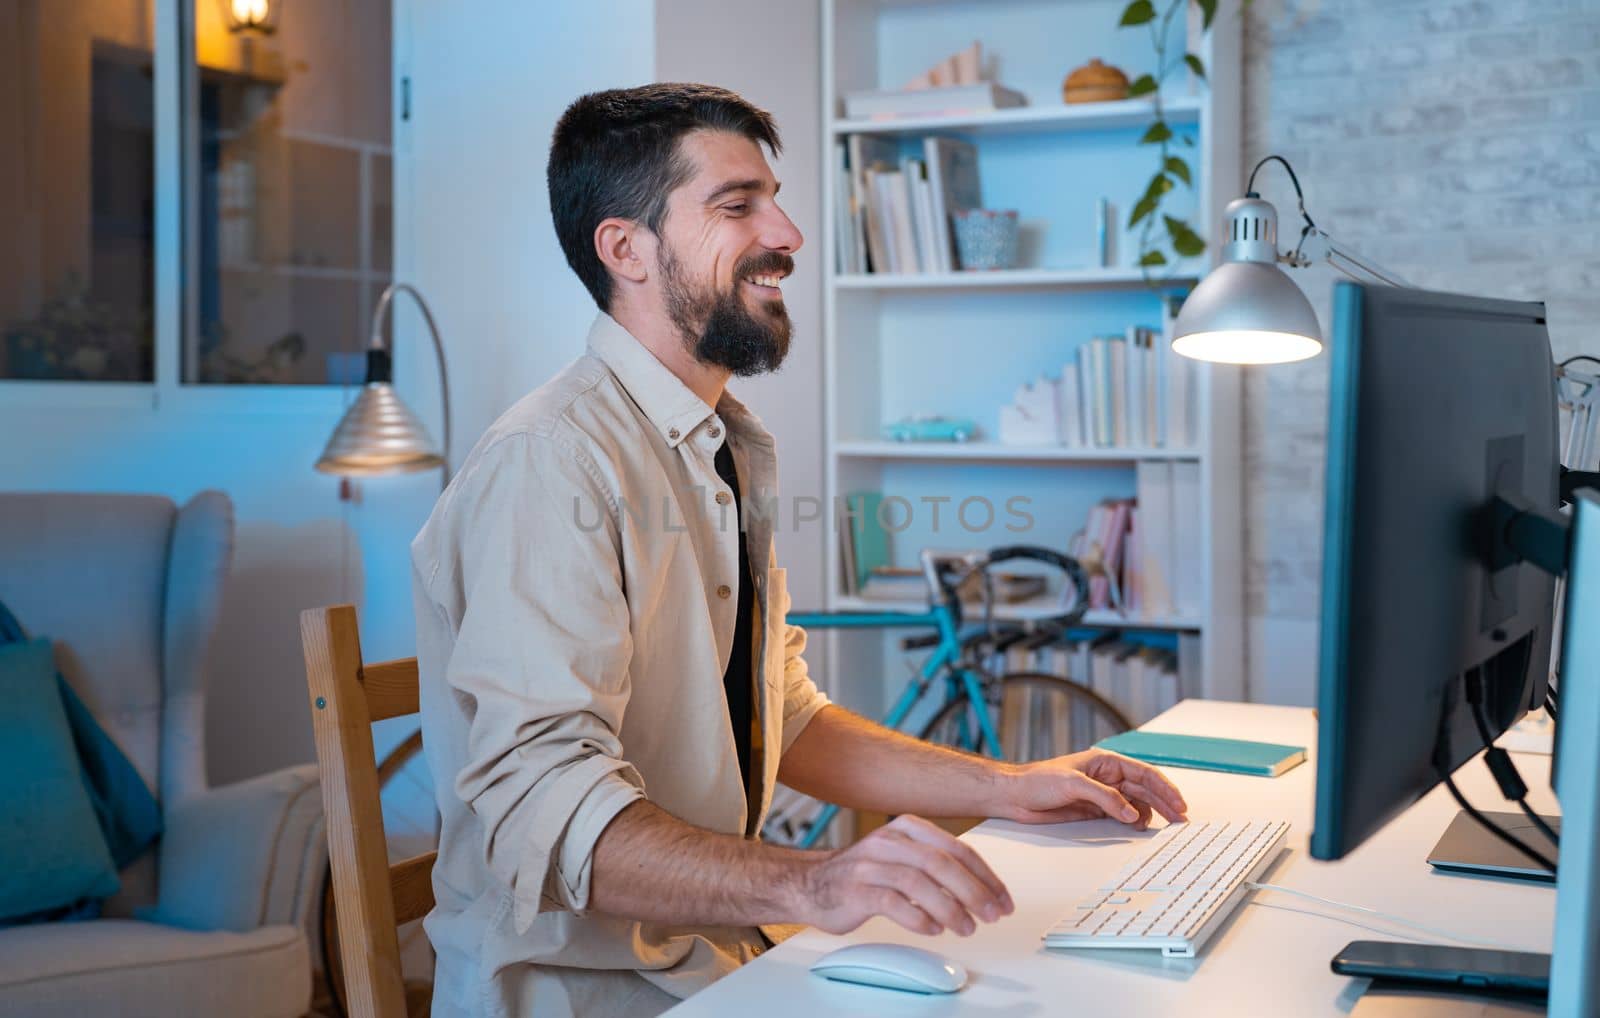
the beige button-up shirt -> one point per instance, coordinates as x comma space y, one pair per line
572, 644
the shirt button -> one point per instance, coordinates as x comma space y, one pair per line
672, 433
714, 431
723, 498
724, 591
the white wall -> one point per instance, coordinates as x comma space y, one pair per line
473, 231
770, 53
488, 81
1456, 144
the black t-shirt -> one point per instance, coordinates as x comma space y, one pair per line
738, 680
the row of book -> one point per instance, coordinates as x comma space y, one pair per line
1141, 679
893, 210
1143, 554
1127, 391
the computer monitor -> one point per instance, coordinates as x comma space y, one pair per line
1437, 404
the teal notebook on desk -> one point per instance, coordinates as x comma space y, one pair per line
1200, 752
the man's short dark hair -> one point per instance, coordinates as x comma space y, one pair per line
615, 153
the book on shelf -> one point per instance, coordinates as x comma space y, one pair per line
1128, 391
893, 213
889, 104
1182, 384
953, 186
881, 210
1069, 414
849, 252
897, 583
1187, 582
1144, 554
1153, 535
863, 542
1099, 546
903, 251
865, 155
1139, 679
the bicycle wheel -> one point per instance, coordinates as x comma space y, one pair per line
1038, 716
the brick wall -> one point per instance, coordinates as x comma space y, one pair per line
1455, 142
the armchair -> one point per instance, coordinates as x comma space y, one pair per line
220, 917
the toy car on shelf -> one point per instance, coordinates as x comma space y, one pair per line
931, 429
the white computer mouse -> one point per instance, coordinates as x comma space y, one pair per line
892, 966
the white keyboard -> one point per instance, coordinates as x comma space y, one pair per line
1178, 891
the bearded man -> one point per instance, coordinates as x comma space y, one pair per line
609, 688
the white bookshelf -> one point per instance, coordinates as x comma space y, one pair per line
959, 344
1060, 117
997, 452
1077, 278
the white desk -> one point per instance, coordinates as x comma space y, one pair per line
1269, 958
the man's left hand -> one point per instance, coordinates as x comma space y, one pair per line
1088, 786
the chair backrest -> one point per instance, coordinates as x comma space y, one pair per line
372, 898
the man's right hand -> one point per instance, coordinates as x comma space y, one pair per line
909, 870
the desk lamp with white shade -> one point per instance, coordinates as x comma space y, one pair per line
1245, 311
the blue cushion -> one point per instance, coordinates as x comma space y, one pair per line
128, 814
52, 853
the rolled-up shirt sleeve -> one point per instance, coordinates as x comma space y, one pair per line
801, 697
540, 665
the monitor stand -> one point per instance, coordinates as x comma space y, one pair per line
1466, 848
1575, 963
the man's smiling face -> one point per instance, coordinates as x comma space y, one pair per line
724, 252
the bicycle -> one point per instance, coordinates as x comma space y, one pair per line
972, 693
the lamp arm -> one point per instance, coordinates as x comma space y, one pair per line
377, 343
1316, 245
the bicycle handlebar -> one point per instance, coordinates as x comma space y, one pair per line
1067, 564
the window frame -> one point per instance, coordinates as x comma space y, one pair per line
175, 308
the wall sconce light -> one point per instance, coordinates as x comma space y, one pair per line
252, 16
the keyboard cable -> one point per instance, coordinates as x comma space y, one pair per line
1396, 920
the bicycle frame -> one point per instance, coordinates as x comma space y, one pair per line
944, 660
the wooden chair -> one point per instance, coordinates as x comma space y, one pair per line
373, 898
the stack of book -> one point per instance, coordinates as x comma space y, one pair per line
893, 210
1127, 391
1143, 553
1139, 675
1165, 544
1100, 546
1138, 679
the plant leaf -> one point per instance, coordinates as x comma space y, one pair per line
1159, 132
1184, 240
1152, 258
1145, 206
1195, 65
1208, 10
1140, 12
1180, 169
1143, 86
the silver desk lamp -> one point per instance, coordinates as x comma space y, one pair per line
1246, 311
379, 434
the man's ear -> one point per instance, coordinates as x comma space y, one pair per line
625, 247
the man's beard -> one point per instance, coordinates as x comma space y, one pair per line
718, 327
